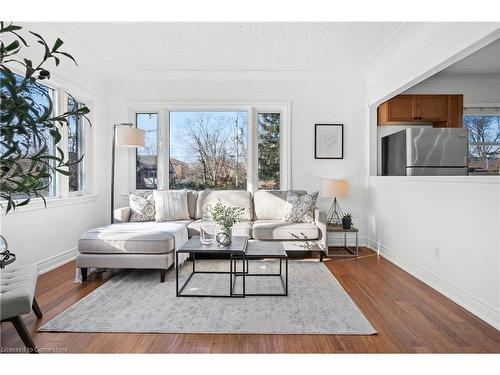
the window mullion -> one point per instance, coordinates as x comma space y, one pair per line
62, 181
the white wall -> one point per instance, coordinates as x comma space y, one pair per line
314, 97
477, 89
49, 236
410, 217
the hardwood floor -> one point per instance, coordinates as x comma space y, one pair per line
409, 316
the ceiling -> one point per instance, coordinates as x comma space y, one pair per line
485, 61
227, 46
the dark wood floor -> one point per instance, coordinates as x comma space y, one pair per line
409, 316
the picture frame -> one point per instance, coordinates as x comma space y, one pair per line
329, 141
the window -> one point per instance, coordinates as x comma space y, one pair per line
269, 150
147, 156
40, 95
484, 142
76, 147
208, 150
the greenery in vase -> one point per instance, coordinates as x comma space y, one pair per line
28, 130
226, 216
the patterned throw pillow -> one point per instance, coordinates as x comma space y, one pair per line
301, 207
141, 208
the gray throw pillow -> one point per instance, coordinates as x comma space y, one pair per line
301, 207
141, 208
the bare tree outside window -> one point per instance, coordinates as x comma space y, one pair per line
208, 150
76, 146
484, 143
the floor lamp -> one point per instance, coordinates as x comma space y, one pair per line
124, 135
334, 189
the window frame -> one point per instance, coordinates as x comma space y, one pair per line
163, 110
157, 113
479, 109
85, 135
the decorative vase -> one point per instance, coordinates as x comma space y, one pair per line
207, 230
223, 238
346, 222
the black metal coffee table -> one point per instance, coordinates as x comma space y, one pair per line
265, 250
236, 251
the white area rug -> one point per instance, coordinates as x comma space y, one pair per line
136, 301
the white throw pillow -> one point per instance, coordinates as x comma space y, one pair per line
171, 205
141, 208
301, 207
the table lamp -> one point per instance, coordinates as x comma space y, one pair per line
124, 135
334, 189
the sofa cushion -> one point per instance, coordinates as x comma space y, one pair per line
141, 208
238, 198
243, 228
192, 197
281, 230
271, 204
301, 207
17, 290
131, 238
171, 205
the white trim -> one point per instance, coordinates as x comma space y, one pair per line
37, 203
482, 309
56, 261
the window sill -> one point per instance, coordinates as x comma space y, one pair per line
37, 203
453, 179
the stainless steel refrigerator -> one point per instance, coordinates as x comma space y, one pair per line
425, 152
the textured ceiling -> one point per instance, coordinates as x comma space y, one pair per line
230, 46
484, 61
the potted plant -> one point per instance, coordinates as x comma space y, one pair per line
27, 129
225, 217
347, 221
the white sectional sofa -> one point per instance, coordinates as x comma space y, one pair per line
151, 245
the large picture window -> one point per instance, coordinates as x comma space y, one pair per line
147, 156
208, 150
76, 147
484, 143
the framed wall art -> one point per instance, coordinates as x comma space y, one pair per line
329, 141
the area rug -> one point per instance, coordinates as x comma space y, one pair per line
136, 301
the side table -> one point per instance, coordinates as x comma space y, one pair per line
338, 229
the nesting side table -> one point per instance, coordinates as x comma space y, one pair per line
338, 229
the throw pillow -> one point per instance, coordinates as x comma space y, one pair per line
141, 208
301, 207
171, 205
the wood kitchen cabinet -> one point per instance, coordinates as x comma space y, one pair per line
440, 110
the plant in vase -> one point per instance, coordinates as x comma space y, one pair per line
347, 221
225, 217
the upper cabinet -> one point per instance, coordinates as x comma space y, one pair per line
440, 110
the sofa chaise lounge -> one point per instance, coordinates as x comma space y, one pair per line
151, 245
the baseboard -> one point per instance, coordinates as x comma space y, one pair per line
55, 261
481, 309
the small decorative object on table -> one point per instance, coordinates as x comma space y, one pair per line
207, 229
347, 221
226, 217
6, 257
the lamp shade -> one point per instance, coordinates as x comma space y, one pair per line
334, 188
129, 137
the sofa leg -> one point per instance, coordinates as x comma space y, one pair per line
84, 273
21, 329
163, 273
321, 254
36, 309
